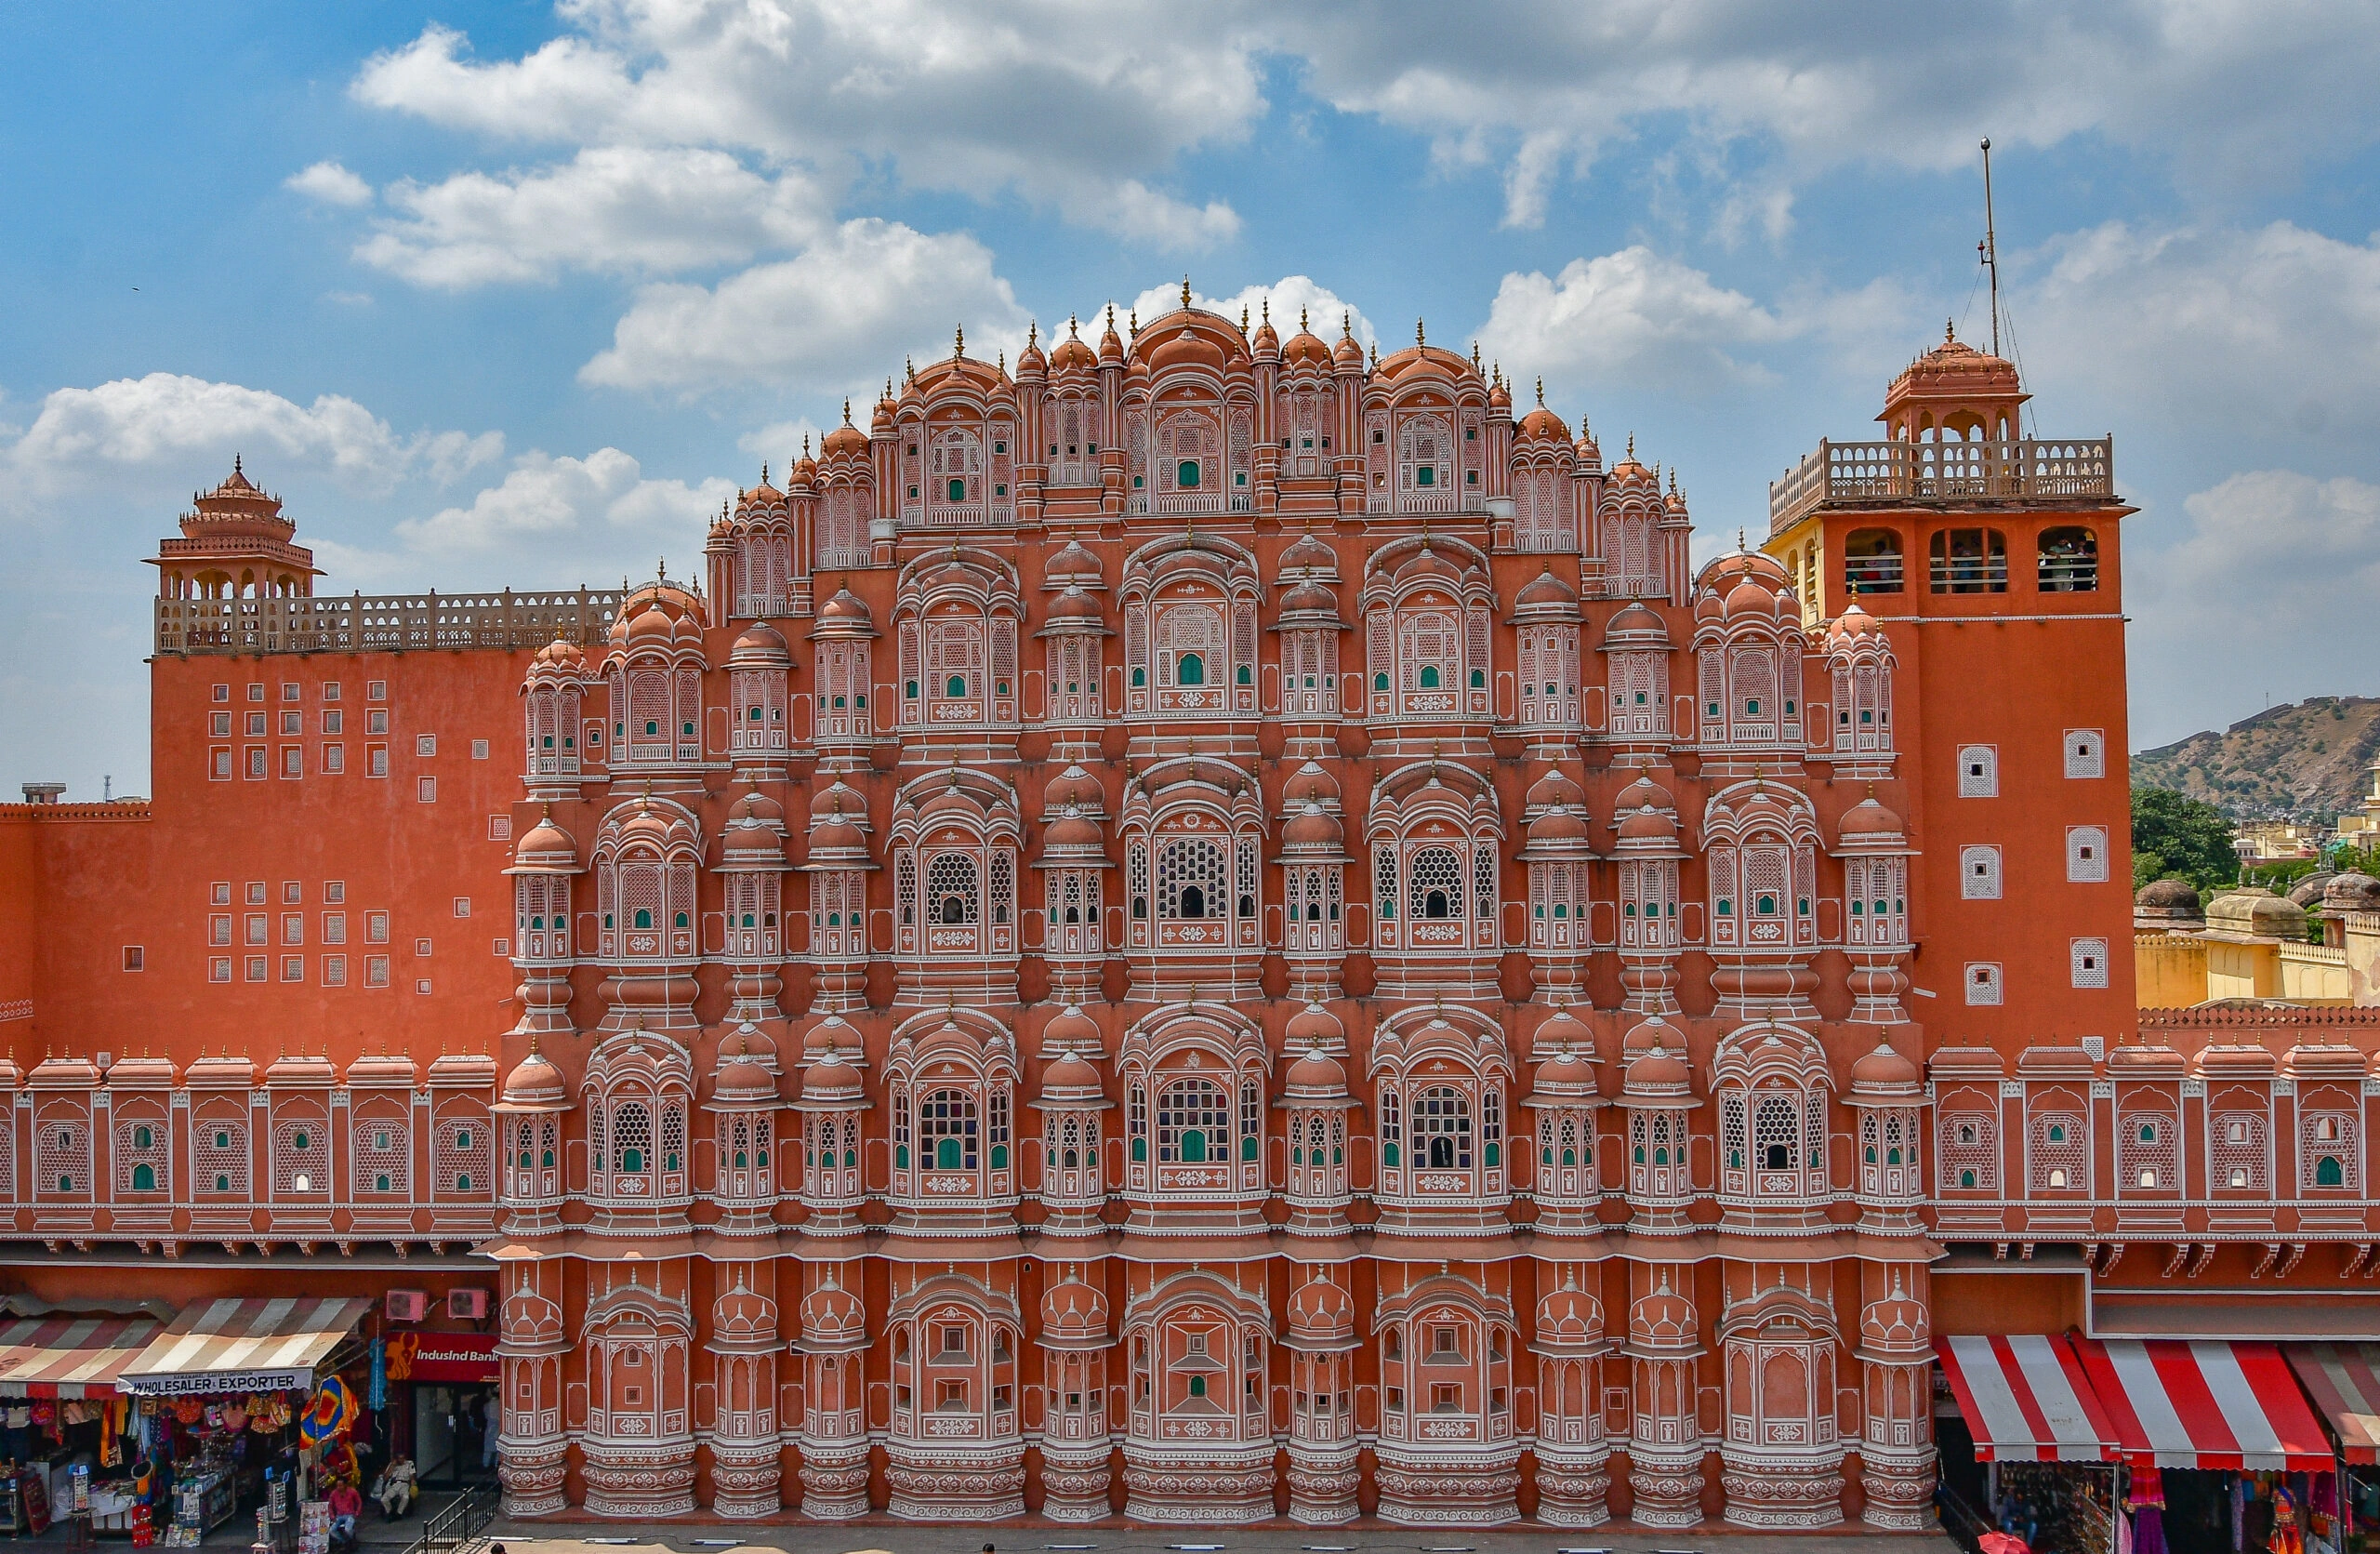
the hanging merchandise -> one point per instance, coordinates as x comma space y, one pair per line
379, 1374
2148, 1502
332, 1413
2288, 1533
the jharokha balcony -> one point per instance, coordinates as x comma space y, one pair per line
1900, 473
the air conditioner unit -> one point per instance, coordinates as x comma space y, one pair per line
469, 1306
407, 1306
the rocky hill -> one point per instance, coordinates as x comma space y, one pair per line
2307, 762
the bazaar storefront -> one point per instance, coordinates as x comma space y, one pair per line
435, 1396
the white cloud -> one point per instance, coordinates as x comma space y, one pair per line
2273, 560
611, 208
2214, 328
1633, 316
779, 442
589, 508
1071, 105
1288, 298
167, 418
837, 313
330, 183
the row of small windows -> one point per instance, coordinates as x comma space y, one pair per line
2065, 560
2146, 1153
2084, 752
1985, 982
373, 690
380, 1155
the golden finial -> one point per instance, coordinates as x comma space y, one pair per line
958, 345
1002, 357
1419, 338
1346, 325
1266, 304
1375, 354
1072, 326
1300, 320
847, 409
1186, 288
764, 472
1474, 355
805, 444
1111, 318
1950, 330
1133, 322
1540, 393
1631, 444
1243, 318
1032, 331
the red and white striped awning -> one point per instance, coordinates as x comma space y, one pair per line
2344, 1381
243, 1346
2025, 1399
2204, 1403
69, 1354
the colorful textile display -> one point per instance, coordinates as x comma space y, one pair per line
332, 1414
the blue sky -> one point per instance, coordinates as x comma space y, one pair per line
516, 293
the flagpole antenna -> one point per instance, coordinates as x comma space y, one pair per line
1987, 251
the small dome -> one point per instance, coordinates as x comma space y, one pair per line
1570, 1317
1545, 591
1555, 786
1075, 607
1896, 1322
830, 1036
831, 1317
1563, 1028
1426, 563
1635, 627
1309, 553
837, 798
2173, 895
1309, 599
743, 1081
752, 807
2349, 892
653, 625
1869, 818
1663, 1320
1560, 826
1347, 355
1883, 1069
1313, 827
1314, 1026
1567, 1073
832, 1081
1321, 1312
1749, 598
2253, 911
1307, 349
845, 441
1656, 1072
560, 654
1317, 1076
546, 847
760, 640
1309, 784
1072, 563
1188, 348
535, 1082
1853, 622
1068, 1078
1072, 1030
1073, 832
1073, 1311
1647, 825
1543, 425
845, 609
1644, 793
1076, 787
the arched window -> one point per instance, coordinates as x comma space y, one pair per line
1442, 1135
1190, 669
1190, 879
951, 893
1435, 884
1193, 1121
2069, 560
947, 1130
1871, 562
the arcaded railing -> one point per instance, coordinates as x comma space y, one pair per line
2027, 468
385, 623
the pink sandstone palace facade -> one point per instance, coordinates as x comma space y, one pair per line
1207, 928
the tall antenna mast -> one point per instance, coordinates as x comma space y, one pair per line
1987, 251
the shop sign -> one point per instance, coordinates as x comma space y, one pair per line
442, 1357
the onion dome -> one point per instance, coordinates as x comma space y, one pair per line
832, 1081
831, 1036
1313, 828
1314, 1026
1644, 793
1265, 342
1567, 1077
846, 610
1542, 425
1305, 348
1071, 354
389, 1070
803, 474
535, 1085
753, 807
1347, 356
559, 654
1546, 597
1072, 563
1590, 452
1500, 393
1030, 359
545, 848
1070, 1030
1315, 1077
1852, 624
1073, 834
1073, 1312
837, 798
2349, 892
887, 408
1883, 1073
1068, 1080
1629, 471
845, 441
831, 1318
835, 841
1635, 627
1560, 828
225, 1070
1309, 784
1655, 1074
1321, 1315
1074, 613
762, 495
760, 645
1663, 1321
1076, 787
1308, 552
1111, 349
1750, 598
454, 1070
652, 625
1570, 1317
289, 1069
1555, 787
742, 1082
1642, 820
1871, 823
1563, 1028
1308, 600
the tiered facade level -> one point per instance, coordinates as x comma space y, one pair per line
1212, 929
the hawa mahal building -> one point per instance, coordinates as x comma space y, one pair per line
1205, 928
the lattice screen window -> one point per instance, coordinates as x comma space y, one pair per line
2086, 855
383, 1154
2089, 958
1970, 1152
673, 1136
1482, 879
1978, 771
2086, 752
2235, 1152
1190, 879
301, 1156
220, 1156
7, 1159
2061, 1159
950, 889
141, 1156
62, 1157
460, 1160
1436, 886
1983, 984
2147, 1152
2328, 1158
1979, 873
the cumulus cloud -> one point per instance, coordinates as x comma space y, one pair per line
611, 208
1288, 298
837, 313
2281, 559
1633, 316
330, 183
780, 442
2213, 329
169, 420
1072, 106
587, 507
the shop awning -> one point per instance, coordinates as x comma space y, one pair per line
2205, 1404
69, 1354
2025, 1399
2344, 1381
243, 1346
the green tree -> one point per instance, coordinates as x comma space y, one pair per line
2174, 836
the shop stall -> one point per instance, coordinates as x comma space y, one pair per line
61, 1411
2050, 1468
2344, 1382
